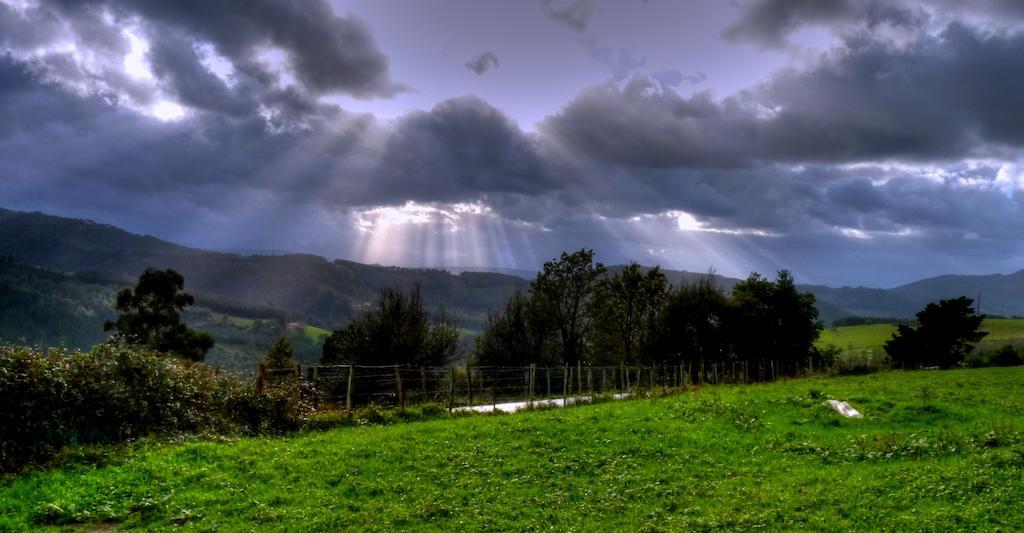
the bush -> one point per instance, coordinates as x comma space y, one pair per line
1006, 356
116, 394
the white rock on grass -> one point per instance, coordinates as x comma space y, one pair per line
844, 409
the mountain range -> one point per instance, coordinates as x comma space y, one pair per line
78, 265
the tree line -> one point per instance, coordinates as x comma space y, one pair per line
576, 312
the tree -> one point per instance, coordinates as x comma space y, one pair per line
946, 332
563, 289
772, 320
519, 335
623, 311
281, 354
150, 316
397, 331
689, 325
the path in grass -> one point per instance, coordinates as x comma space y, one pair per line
515, 407
936, 451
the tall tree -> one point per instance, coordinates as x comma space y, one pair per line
946, 333
623, 311
150, 316
689, 325
397, 331
772, 320
281, 354
519, 335
564, 287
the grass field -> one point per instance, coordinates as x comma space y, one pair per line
872, 337
938, 451
316, 334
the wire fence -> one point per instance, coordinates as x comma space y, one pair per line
396, 385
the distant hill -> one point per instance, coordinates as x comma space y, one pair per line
258, 293
305, 287
45, 308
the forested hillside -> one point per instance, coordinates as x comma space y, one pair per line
306, 288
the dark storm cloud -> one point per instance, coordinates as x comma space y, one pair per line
483, 62
83, 45
176, 63
770, 22
460, 149
574, 14
860, 146
944, 97
328, 53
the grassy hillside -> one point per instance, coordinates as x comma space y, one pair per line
872, 337
936, 451
40, 307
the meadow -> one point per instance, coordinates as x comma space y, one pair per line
870, 338
936, 450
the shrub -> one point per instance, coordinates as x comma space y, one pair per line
117, 393
1006, 356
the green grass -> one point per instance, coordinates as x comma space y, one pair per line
872, 337
316, 334
857, 338
1003, 329
937, 451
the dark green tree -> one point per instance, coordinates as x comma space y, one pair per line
519, 335
689, 326
281, 354
772, 320
150, 316
398, 331
623, 312
945, 334
563, 289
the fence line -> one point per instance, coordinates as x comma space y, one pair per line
398, 385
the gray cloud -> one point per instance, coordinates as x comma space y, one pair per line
327, 52
483, 62
815, 168
461, 149
769, 23
942, 97
575, 14
318, 53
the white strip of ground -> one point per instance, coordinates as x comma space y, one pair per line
512, 407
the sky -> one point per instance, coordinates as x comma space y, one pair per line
853, 142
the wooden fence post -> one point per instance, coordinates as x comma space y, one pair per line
547, 371
469, 382
451, 390
260, 376
423, 382
533, 372
590, 380
579, 378
398, 385
348, 391
565, 385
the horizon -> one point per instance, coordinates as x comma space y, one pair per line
750, 136
456, 269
